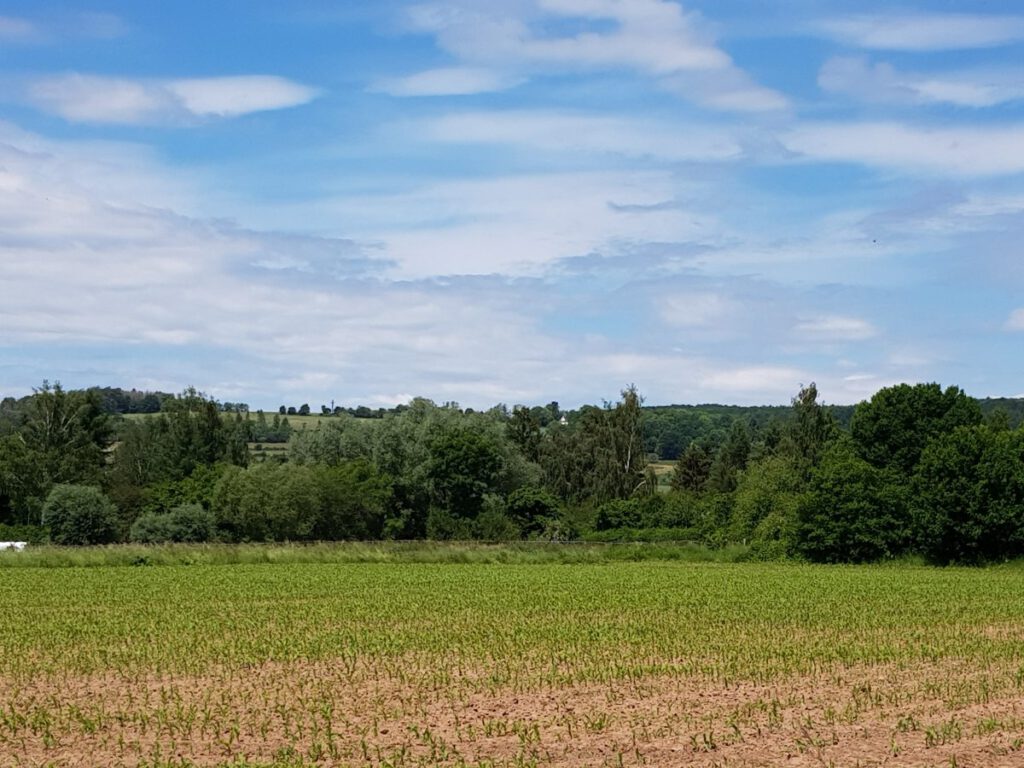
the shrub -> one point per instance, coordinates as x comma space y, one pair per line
494, 523
532, 509
33, 534
184, 523
80, 514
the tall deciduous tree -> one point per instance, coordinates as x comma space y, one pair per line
854, 511
969, 496
811, 428
892, 429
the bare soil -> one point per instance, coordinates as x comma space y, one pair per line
408, 713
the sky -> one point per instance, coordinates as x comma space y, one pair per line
512, 201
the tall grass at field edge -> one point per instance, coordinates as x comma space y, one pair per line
514, 553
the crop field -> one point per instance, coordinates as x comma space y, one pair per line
431, 664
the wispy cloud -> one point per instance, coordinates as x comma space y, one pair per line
960, 151
882, 83
15, 29
1015, 322
448, 81
65, 25
836, 328
98, 99
924, 31
655, 38
570, 132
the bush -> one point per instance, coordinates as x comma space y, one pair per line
494, 523
621, 513
442, 525
80, 514
532, 509
681, 509
185, 523
32, 534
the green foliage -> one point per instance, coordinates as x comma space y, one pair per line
782, 479
810, 430
80, 514
969, 496
23, 482
464, 465
730, 460
600, 457
693, 468
188, 523
854, 512
442, 525
494, 523
892, 429
340, 439
764, 509
197, 488
620, 513
53, 437
354, 500
532, 509
31, 534
524, 430
267, 502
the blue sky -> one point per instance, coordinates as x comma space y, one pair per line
512, 201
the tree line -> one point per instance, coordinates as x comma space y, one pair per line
917, 470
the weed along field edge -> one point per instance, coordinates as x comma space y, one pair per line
511, 664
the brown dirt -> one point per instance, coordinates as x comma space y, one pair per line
410, 713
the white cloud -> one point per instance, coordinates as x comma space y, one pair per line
836, 328
960, 151
696, 310
14, 29
655, 38
241, 95
566, 132
990, 205
97, 99
448, 81
516, 225
925, 31
881, 82
1015, 322
747, 380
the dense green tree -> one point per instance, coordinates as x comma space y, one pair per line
267, 502
494, 523
334, 442
765, 505
600, 457
692, 469
464, 465
80, 514
730, 460
524, 430
854, 511
968, 496
53, 437
354, 501
892, 429
810, 429
532, 509
23, 483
